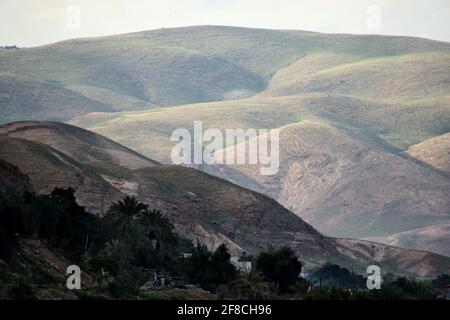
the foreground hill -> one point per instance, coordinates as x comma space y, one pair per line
48, 168
201, 206
81, 145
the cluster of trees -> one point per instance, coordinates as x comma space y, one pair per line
145, 238
406, 288
210, 270
334, 282
129, 241
332, 274
329, 282
133, 238
276, 273
56, 218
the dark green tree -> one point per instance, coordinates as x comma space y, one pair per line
332, 274
198, 265
124, 211
158, 228
210, 270
222, 271
281, 267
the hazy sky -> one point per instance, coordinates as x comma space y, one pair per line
36, 22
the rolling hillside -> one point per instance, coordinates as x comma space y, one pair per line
348, 106
22, 98
169, 67
201, 206
415, 75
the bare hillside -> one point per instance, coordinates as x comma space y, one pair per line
200, 206
435, 151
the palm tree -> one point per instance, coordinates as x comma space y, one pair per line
113, 248
158, 227
125, 210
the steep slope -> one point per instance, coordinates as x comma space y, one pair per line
346, 186
435, 151
204, 207
79, 144
201, 206
48, 168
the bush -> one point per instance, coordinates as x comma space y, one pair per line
332, 274
210, 270
248, 287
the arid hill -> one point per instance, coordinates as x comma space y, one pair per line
201, 206
367, 99
435, 151
175, 66
82, 145
349, 188
345, 180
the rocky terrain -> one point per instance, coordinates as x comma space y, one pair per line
364, 118
200, 206
349, 188
432, 238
